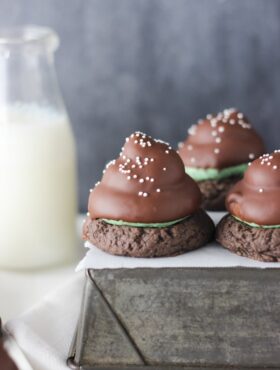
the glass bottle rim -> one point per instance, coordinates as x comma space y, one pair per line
29, 35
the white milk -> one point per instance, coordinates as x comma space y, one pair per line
37, 188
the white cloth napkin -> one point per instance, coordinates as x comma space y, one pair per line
45, 332
211, 256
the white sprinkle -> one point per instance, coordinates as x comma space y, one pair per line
213, 122
251, 155
275, 167
152, 179
90, 190
141, 180
221, 129
218, 140
145, 194
216, 150
135, 176
135, 141
133, 166
214, 133
128, 177
127, 139
152, 159
158, 190
164, 142
124, 156
88, 214
209, 116
147, 178
232, 121
140, 193
164, 169
192, 130
228, 111
167, 151
261, 190
240, 115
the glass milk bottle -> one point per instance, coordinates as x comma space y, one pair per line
37, 154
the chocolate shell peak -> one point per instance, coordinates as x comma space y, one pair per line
256, 198
219, 141
146, 184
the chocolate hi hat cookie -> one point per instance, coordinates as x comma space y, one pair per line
216, 154
145, 204
252, 229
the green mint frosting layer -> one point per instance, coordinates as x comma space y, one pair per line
139, 224
201, 174
252, 224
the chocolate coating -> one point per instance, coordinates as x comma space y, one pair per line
221, 141
147, 183
256, 198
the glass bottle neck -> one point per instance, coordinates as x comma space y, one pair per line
27, 71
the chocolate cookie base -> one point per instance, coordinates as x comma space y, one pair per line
214, 192
189, 234
252, 242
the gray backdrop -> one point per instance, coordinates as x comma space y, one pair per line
157, 66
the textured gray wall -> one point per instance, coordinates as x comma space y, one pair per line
157, 66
